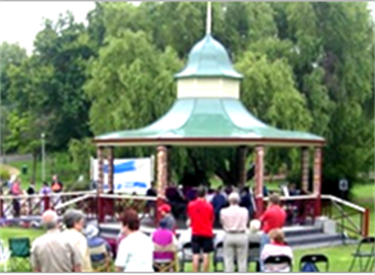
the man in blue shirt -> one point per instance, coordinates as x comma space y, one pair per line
95, 241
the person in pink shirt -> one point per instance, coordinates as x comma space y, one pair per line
16, 191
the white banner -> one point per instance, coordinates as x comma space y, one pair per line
129, 175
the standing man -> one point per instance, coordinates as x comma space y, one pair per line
74, 221
234, 220
52, 252
56, 185
202, 217
273, 218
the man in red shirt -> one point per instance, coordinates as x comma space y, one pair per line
202, 217
273, 218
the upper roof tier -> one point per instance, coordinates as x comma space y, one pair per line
208, 58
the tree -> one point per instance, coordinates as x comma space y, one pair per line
50, 83
11, 54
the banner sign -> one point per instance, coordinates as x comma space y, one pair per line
129, 175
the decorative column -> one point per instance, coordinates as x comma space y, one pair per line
99, 184
317, 179
242, 177
110, 157
169, 167
162, 176
259, 170
305, 159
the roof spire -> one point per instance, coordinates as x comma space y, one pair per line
209, 21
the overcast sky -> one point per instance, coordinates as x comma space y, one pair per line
21, 21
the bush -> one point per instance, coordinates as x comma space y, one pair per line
4, 174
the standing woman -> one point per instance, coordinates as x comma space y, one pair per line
136, 251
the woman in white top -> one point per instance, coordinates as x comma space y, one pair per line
135, 252
277, 247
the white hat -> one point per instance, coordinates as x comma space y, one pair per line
91, 231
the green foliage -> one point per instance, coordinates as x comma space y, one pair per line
4, 174
11, 55
81, 151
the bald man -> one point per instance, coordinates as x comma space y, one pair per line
52, 252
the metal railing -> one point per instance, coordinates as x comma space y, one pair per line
351, 219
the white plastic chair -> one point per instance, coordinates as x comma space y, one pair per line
4, 256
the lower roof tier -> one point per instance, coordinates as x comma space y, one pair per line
208, 122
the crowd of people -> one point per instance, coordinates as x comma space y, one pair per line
13, 187
71, 249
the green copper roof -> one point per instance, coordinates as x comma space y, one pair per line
208, 58
210, 118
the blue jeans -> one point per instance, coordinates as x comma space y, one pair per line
265, 239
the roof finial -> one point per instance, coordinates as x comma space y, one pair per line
208, 27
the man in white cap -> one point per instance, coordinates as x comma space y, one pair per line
95, 241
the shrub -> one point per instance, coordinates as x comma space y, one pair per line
4, 174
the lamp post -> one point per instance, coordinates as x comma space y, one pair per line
42, 136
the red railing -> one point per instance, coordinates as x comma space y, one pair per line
105, 207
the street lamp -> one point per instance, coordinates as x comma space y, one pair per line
42, 136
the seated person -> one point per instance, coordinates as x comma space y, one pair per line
277, 247
166, 216
95, 241
165, 243
293, 191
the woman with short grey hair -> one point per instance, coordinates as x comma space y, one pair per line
74, 221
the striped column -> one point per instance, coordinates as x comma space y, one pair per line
162, 170
162, 177
110, 157
99, 185
317, 187
100, 156
305, 159
259, 170
242, 177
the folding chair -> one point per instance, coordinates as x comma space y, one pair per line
314, 259
363, 252
166, 265
4, 257
186, 256
20, 254
280, 263
103, 265
253, 255
218, 256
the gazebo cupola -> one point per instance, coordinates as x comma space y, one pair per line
209, 72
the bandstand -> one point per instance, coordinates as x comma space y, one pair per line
208, 112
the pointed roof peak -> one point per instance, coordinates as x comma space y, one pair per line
208, 58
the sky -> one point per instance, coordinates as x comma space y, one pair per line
21, 21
